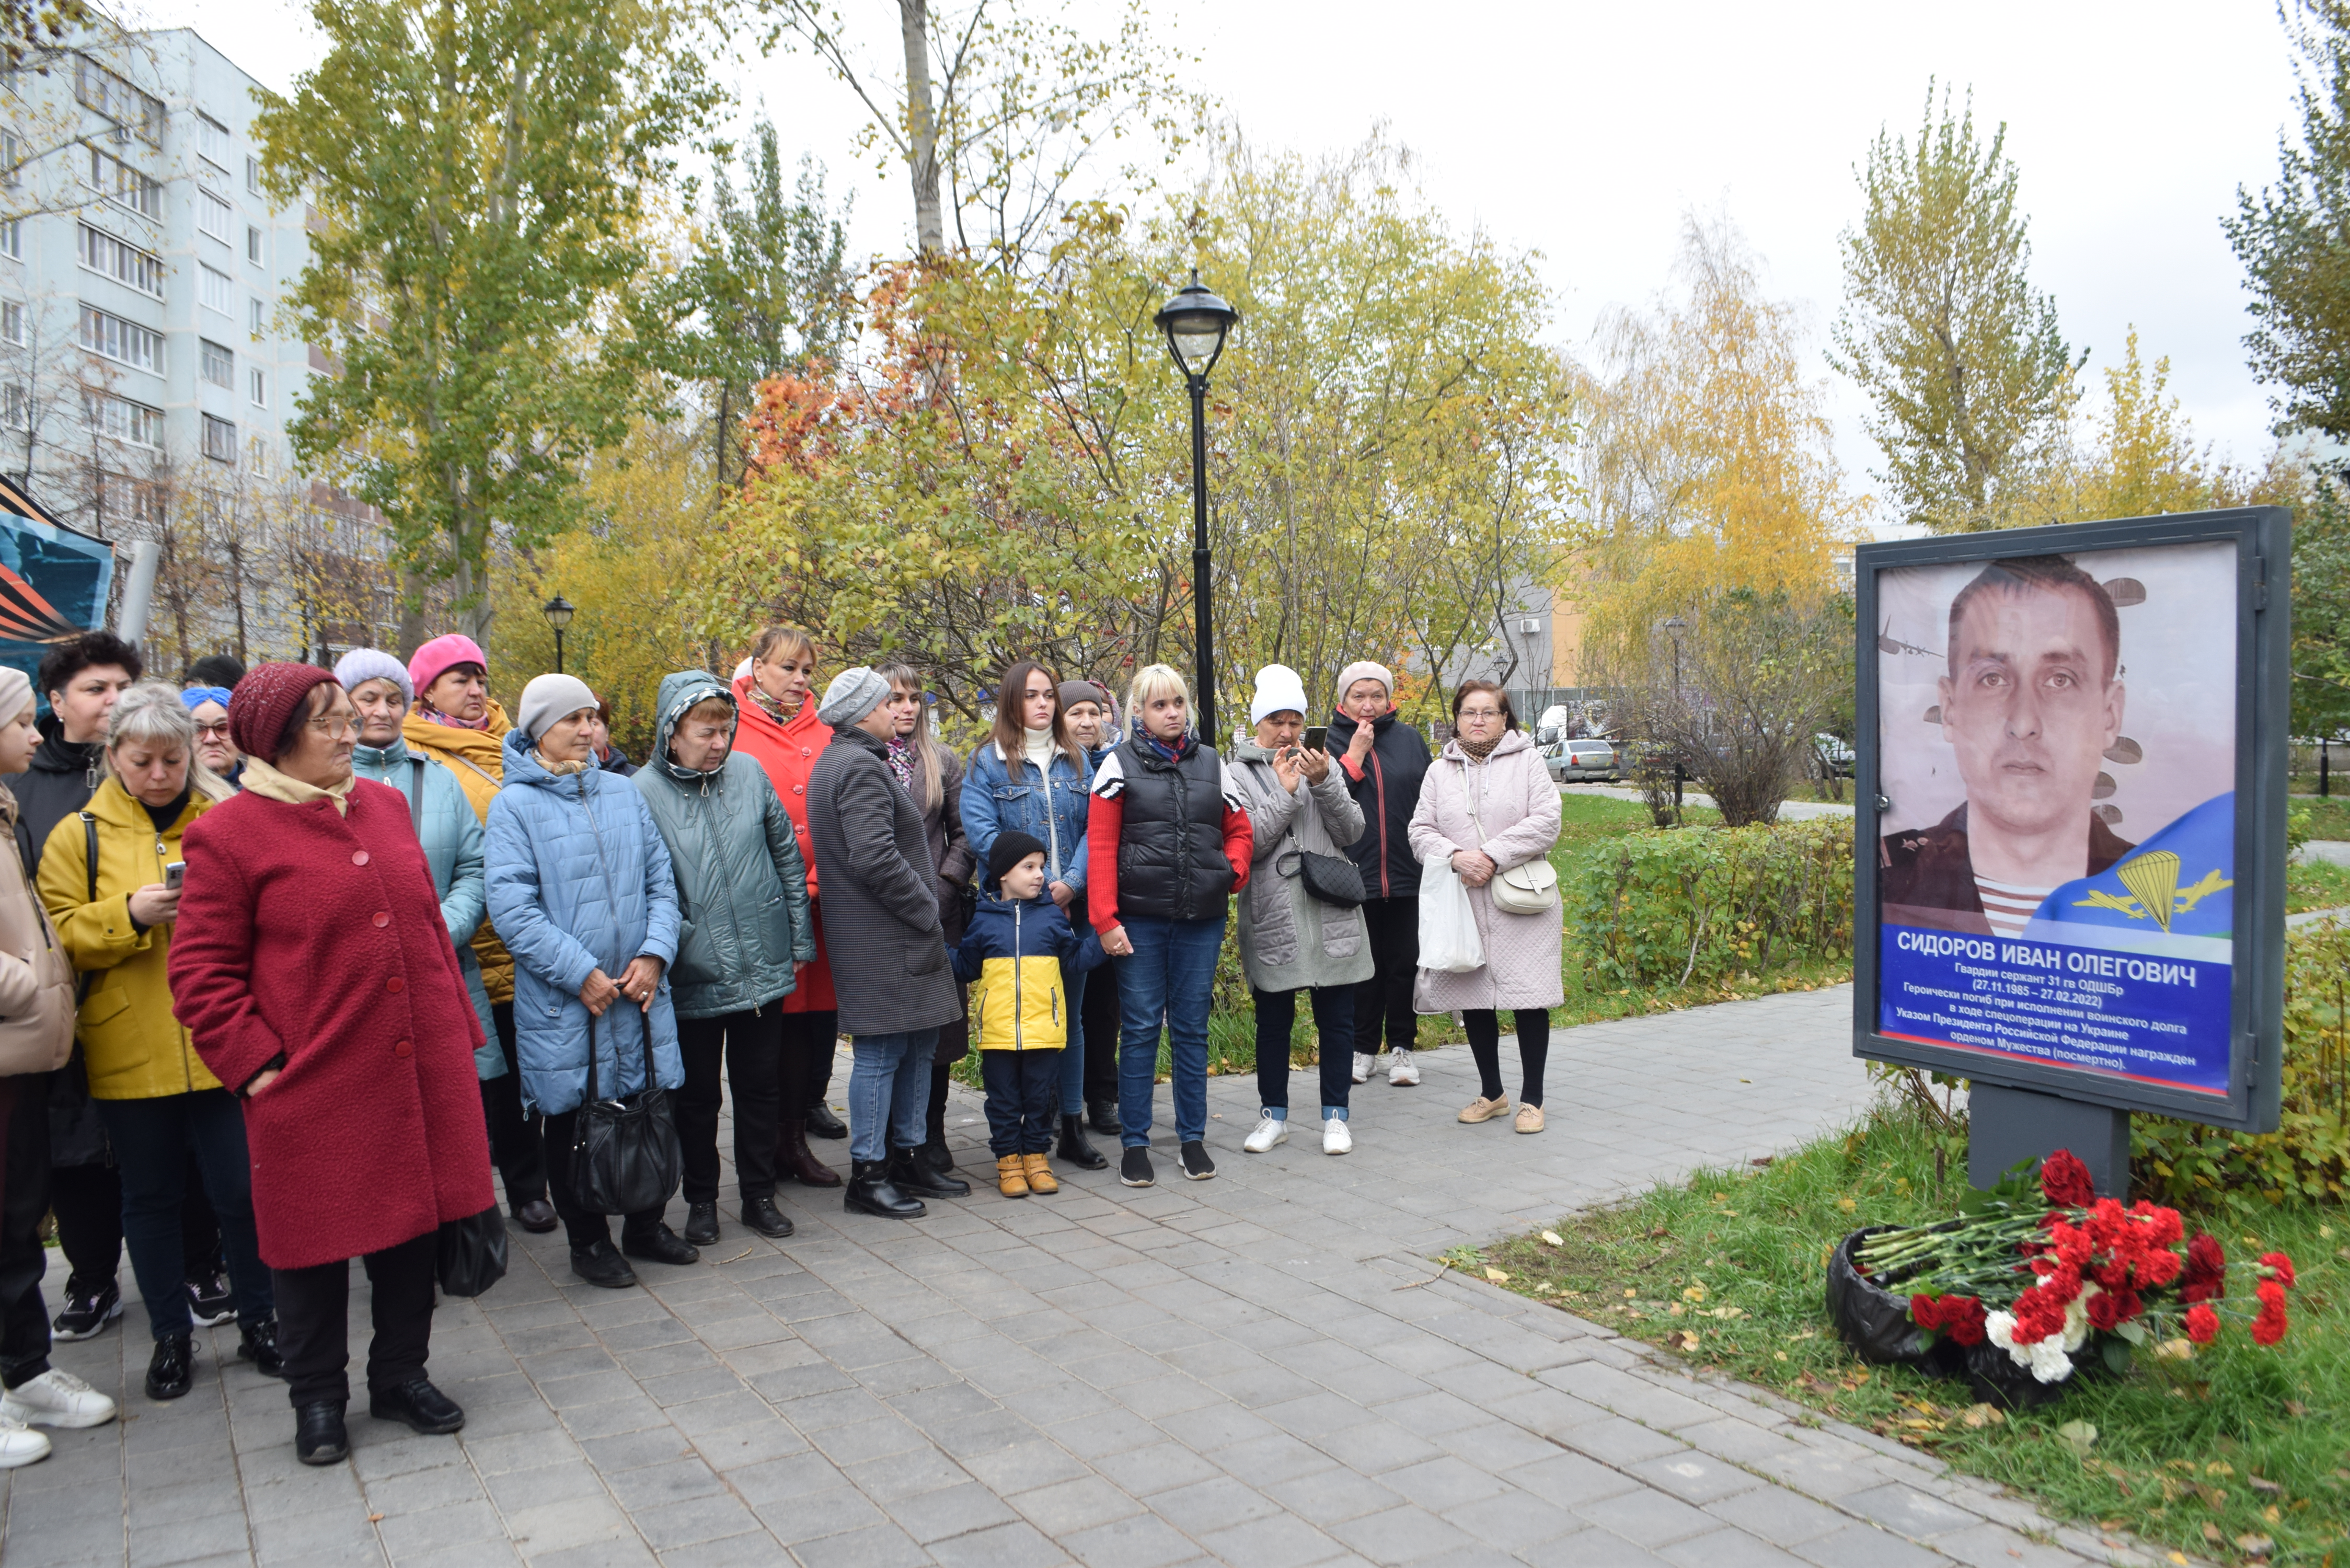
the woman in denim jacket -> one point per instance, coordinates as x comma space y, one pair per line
1032, 776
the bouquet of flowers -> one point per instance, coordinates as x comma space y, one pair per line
2039, 1270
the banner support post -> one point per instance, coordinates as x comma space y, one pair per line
2004, 1126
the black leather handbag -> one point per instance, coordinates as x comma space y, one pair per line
626, 1157
473, 1252
1330, 878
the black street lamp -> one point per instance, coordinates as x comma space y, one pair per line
558, 612
1196, 323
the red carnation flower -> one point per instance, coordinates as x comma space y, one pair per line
2283, 1267
2202, 1324
2270, 1325
1925, 1312
2104, 1310
2064, 1181
2206, 1275
1964, 1319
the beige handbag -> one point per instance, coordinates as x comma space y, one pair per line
1528, 890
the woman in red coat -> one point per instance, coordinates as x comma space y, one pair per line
313, 971
778, 729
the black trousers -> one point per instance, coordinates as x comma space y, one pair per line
24, 1199
1097, 1016
753, 1045
314, 1322
1393, 926
88, 1202
1484, 1031
515, 1140
805, 1073
583, 1228
1334, 1021
1022, 1086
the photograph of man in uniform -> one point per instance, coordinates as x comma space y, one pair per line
2029, 703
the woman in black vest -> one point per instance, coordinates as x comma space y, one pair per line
1167, 843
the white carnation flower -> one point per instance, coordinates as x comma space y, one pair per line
2049, 1363
1999, 1327
2076, 1321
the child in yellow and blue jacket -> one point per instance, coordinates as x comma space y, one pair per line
1011, 958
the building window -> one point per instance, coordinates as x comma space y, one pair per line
122, 418
212, 214
256, 387
218, 365
12, 157
12, 238
138, 500
212, 141
109, 95
220, 439
12, 322
211, 288
102, 252
126, 342
123, 184
253, 175
253, 321
253, 245
15, 408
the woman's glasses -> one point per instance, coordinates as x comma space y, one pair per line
334, 726
219, 730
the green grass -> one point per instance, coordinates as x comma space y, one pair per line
1729, 1270
2315, 886
2329, 816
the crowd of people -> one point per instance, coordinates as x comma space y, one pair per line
297, 957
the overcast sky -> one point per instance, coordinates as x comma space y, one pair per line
1585, 132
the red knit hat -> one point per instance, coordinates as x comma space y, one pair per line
265, 704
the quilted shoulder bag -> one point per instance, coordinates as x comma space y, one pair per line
1528, 890
1328, 878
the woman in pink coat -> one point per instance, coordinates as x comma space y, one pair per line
1487, 805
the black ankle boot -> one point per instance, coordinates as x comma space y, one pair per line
1103, 1114
1075, 1149
936, 1155
702, 1224
319, 1437
257, 1343
822, 1123
910, 1174
870, 1191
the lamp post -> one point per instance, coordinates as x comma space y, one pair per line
1674, 626
1197, 323
558, 612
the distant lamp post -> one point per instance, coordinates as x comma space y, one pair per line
558, 612
1197, 323
1674, 626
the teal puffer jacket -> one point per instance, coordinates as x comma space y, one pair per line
742, 889
451, 837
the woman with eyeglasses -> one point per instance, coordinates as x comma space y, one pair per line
1487, 805
314, 970
208, 705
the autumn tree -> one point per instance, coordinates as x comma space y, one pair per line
1969, 379
478, 171
1706, 459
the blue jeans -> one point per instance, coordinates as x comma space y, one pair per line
1070, 1071
152, 1139
1171, 974
889, 1090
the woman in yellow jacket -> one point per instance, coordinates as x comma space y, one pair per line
152, 1091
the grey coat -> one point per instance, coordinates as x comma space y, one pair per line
742, 892
1290, 939
881, 893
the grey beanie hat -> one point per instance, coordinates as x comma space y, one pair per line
853, 693
551, 697
361, 665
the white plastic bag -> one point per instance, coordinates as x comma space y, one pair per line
1448, 927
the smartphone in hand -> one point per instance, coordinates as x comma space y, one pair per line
172, 875
1317, 737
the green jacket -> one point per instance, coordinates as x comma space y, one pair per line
451, 839
742, 888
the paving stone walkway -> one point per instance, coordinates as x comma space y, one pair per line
1259, 1370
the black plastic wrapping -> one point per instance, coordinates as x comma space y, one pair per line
1875, 1322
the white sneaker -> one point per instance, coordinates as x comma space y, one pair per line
1269, 1131
20, 1445
1336, 1139
1405, 1074
1362, 1065
57, 1399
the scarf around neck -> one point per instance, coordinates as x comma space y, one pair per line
1477, 750
560, 770
263, 779
1173, 751
432, 715
899, 752
773, 707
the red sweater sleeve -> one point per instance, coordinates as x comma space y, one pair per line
1240, 844
1105, 816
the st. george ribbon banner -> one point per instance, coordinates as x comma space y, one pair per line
2071, 821
54, 581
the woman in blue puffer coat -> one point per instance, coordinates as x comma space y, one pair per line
580, 887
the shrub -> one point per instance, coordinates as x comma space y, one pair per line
2308, 1157
1673, 907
